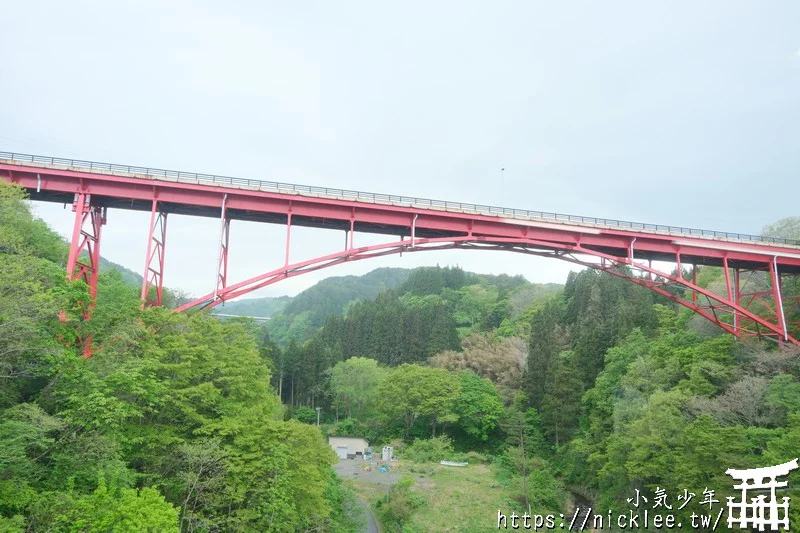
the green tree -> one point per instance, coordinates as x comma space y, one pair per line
785, 228
561, 404
548, 336
478, 407
304, 414
116, 509
412, 391
354, 385
524, 437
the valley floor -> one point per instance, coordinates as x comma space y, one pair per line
456, 498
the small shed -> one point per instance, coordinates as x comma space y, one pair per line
348, 446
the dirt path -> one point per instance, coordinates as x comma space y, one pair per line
353, 469
372, 524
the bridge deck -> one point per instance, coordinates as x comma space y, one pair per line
244, 184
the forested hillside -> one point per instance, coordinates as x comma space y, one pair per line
304, 314
431, 312
585, 392
171, 425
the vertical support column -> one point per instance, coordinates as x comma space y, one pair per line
288, 237
694, 282
727, 277
154, 261
777, 298
222, 258
352, 228
348, 233
86, 233
86, 238
730, 292
80, 206
98, 220
737, 297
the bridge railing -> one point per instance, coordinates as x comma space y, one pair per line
385, 198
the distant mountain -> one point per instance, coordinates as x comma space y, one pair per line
128, 276
255, 307
477, 302
302, 316
327, 297
331, 295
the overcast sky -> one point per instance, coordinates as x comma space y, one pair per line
682, 113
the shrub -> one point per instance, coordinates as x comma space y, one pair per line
396, 507
369, 429
305, 414
398, 446
476, 458
349, 427
429, 450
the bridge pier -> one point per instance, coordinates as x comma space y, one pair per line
84, 252
221, 280
153, 276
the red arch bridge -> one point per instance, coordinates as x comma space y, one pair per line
753, 302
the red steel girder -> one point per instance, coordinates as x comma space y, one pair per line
199, 196
153, 278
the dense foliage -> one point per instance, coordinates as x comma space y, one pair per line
171, 425
436, 310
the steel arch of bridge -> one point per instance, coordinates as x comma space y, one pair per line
726, 311
623, 249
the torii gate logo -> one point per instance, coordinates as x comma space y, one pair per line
760, 512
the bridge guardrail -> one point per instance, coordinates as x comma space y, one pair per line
395, 199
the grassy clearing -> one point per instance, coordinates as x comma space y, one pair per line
460, 499
456, 498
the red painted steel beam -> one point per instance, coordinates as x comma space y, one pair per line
366, 213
